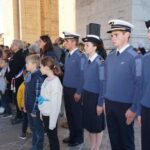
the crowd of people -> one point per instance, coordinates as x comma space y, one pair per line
94, 86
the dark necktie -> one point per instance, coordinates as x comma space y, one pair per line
89, 61
69, 55
118, 53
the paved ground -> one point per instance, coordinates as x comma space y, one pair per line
9, 138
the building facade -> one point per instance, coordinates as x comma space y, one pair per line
101, 11
27, 20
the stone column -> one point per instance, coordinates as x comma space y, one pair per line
49, 17
10, 21
67, 16
29, 20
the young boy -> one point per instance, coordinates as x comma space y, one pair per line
33, 82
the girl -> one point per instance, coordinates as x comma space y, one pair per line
49, 101
93, 117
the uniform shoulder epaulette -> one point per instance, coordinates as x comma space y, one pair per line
100, 60
79, 53
131, 51
146, 55
148, 51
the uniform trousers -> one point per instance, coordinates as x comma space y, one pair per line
145, 130
121, 135
74, 115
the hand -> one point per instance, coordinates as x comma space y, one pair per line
139, 121
77, 97
130, 116
33, 114
99, 110
24, 109
3, 92
52, 127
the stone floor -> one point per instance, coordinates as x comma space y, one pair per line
9, 138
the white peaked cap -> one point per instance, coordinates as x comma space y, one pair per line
70, 35
117, 24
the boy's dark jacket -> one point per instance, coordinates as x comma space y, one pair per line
33, 82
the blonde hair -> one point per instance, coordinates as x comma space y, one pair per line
34, 58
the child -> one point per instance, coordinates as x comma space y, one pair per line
20, 101
33, 82
3, 67
49, 101
7, 54
7, 97
93, 116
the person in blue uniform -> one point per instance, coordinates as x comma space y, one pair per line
93, 85
72, 83
123, 86
145, 100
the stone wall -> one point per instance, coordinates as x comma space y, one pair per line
28, 19
49, 18
101, 11
140, 14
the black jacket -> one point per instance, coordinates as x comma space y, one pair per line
32, 90
16, 64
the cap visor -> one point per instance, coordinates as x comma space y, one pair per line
91, 40
68, 37
116, 29
84, 39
